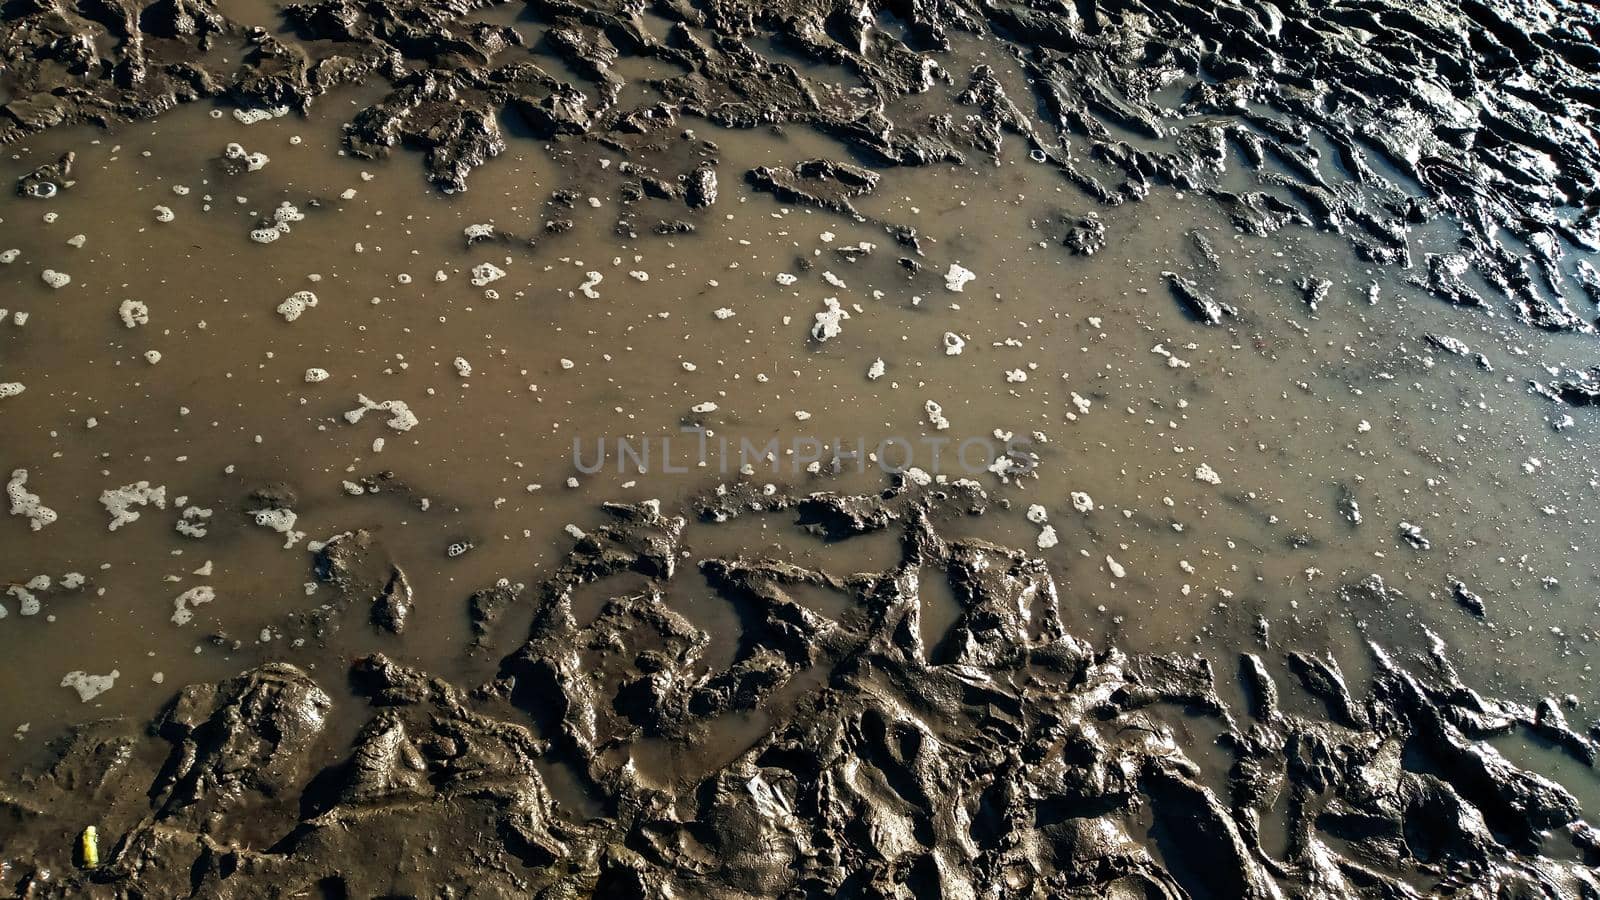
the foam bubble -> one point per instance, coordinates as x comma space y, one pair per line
27, 601
484, 274
282, 521
134, 313
183, 605
252, 116
253, 162
828, 321
295, 305
957, 277
401, 418
193, 522
119, 502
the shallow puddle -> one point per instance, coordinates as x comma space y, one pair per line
238, 343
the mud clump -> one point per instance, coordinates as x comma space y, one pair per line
392, 608
49, 179
1085, 236
815, 182
1196, 302
1008, 759
1583, 390
1313, 291
700, 189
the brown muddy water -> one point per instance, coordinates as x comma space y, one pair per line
1211, 461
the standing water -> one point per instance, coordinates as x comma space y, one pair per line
822, 451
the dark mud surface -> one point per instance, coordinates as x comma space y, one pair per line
837, 754
910, 708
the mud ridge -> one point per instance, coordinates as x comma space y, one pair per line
1010, 760
1370, 119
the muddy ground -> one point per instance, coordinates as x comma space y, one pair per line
1280, 583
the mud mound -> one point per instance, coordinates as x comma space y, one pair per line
1009, 759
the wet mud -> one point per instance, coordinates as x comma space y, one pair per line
1282, 584
1008, 759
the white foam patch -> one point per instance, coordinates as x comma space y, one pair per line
1047, 537
590, 282
134, 313
183, 605
484, 274
401, 418
295, 305
120, 502
253, 162
26, 504
283, 217
282, 521
89, 686
27, 602
957, 278
194, 522
828, 324
252, 116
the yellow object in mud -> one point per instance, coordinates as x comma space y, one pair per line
89, 844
